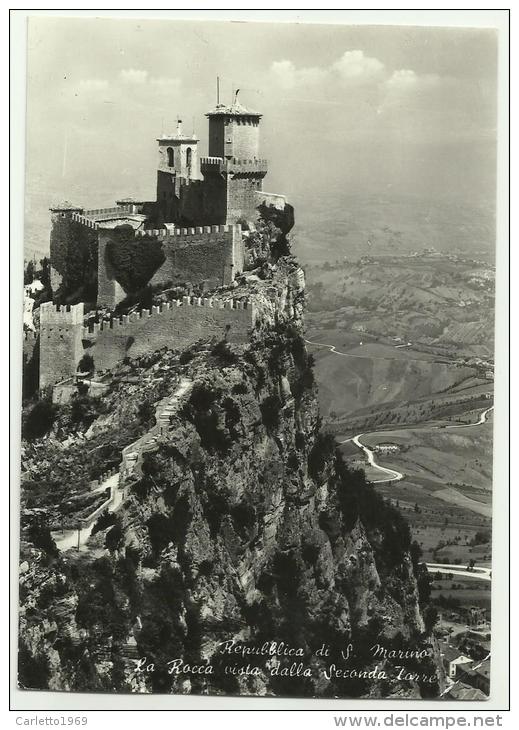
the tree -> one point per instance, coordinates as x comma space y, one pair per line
28, 276
86, 364
39, 420
431, 618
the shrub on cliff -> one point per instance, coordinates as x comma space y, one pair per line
33, 669
244, 517
86, 364
224, 353
39, 420
39, 534
320, 454
106, 519
205, 413
146, 413
270, 409
84, 410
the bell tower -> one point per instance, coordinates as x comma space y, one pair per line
178, 154
177, 166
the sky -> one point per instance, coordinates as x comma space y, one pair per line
400, 111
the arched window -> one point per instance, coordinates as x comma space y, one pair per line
188, 157
171, 157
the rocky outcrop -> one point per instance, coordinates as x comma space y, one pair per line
246, 558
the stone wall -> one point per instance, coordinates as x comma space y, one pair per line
210, 254
73, 254
241, 197
61, 347
173, 325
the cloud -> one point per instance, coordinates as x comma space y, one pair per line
355, 70
405, 79
288, 76
134, 76
92, 84
354, 66
165, 81
351, 67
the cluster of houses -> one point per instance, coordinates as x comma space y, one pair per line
467, 663
470, 678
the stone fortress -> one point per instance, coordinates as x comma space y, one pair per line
194, 232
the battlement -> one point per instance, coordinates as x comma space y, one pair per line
211, 160
84, 220
184, 232
91, 218
55, 314
270, 199
144, 314
117, 209
239, 162
235, 164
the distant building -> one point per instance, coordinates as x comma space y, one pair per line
386, 448
452, 659
465, 692
477, 676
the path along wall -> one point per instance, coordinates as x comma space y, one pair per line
173, 325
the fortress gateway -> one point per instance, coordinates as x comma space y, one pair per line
194, 232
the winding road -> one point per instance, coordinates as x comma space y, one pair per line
393, 476
482, 419
335, 351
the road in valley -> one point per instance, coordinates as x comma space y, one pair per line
476, 572
482, 419
392, 475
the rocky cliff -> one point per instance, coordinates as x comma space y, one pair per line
246, 558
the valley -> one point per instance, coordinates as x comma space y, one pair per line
403, 349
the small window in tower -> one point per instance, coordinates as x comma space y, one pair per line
171, 157
189, 153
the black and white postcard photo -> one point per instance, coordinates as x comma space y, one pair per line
257, 408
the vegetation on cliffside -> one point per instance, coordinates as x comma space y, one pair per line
242, 527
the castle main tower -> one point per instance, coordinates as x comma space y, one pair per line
233, 172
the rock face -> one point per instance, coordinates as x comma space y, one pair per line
246, 558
